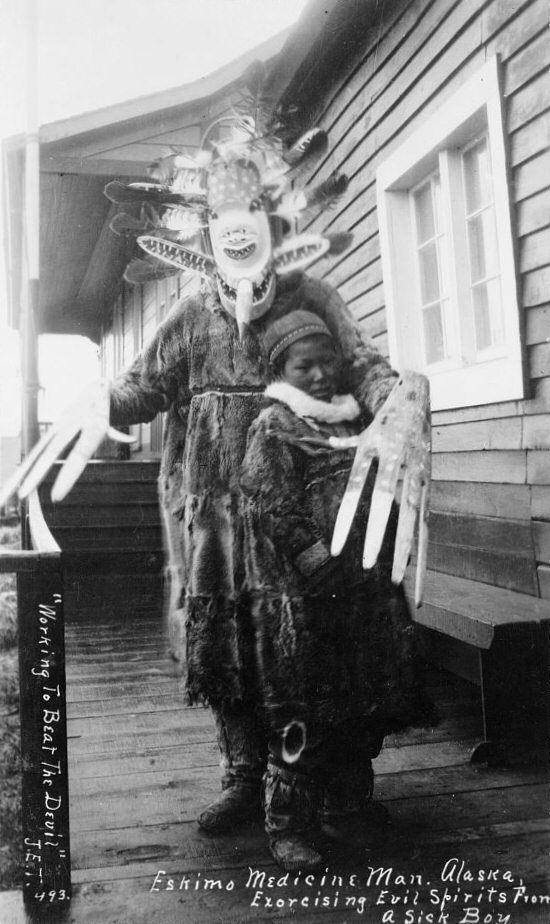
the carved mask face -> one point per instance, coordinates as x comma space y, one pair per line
240, 237
241, 246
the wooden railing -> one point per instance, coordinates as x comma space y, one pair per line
44, 769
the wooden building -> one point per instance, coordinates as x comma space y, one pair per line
420, 100
440, 117
439, 113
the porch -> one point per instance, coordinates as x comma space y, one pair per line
141, 764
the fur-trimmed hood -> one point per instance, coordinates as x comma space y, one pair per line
341, 408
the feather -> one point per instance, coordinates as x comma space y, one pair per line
128, 225
328, 192
176, 224
312, 144
191, 184
254, 108
254, 78
295, 203
153, 193
339, 242
140, 271
163, 169
291, 205
183, 222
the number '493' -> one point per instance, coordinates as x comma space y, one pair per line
58, 895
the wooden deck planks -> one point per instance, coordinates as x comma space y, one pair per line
142, 765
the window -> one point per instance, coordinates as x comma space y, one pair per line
447, 251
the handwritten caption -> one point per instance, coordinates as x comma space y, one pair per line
46, 849
458, 894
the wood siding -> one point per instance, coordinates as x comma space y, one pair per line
491, 498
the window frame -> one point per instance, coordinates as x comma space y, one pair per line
471, 112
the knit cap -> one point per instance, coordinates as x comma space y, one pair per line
296, 325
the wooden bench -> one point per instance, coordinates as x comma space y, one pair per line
500, 640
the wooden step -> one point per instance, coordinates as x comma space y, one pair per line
101, 514
108, 537
90, 494
100, 471
112, 561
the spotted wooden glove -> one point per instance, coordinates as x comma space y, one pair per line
400, 437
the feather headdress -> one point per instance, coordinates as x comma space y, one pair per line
228, 212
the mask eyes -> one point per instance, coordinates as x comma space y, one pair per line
227, 235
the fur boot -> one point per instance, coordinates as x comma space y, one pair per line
241, 746
291, 803
349, 794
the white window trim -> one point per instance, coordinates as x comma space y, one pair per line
477, 102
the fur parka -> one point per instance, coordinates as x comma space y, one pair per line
210, 385
334, 645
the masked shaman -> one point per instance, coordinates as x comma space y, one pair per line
226, 214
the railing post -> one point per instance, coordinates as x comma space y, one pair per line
45, 786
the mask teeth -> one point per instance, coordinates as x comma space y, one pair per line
175, 254
288, 260
258, 291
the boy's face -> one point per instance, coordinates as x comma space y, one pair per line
311, 365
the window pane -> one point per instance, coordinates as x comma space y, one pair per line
433, 334
429, 274
436, 188
482, 242
482, 317
424, 213
443, 266
477, 176
477, 249
494, 295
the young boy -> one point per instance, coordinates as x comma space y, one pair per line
335, 660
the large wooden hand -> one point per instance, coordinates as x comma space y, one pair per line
89, 416
399, 437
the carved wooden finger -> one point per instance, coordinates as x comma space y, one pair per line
416, 475
76, 462
120, 437
376, 527
62, 435
404, 539
93, 408
89, 414
356, 482
15, 481
422, 544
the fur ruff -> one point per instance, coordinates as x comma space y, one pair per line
339, 409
